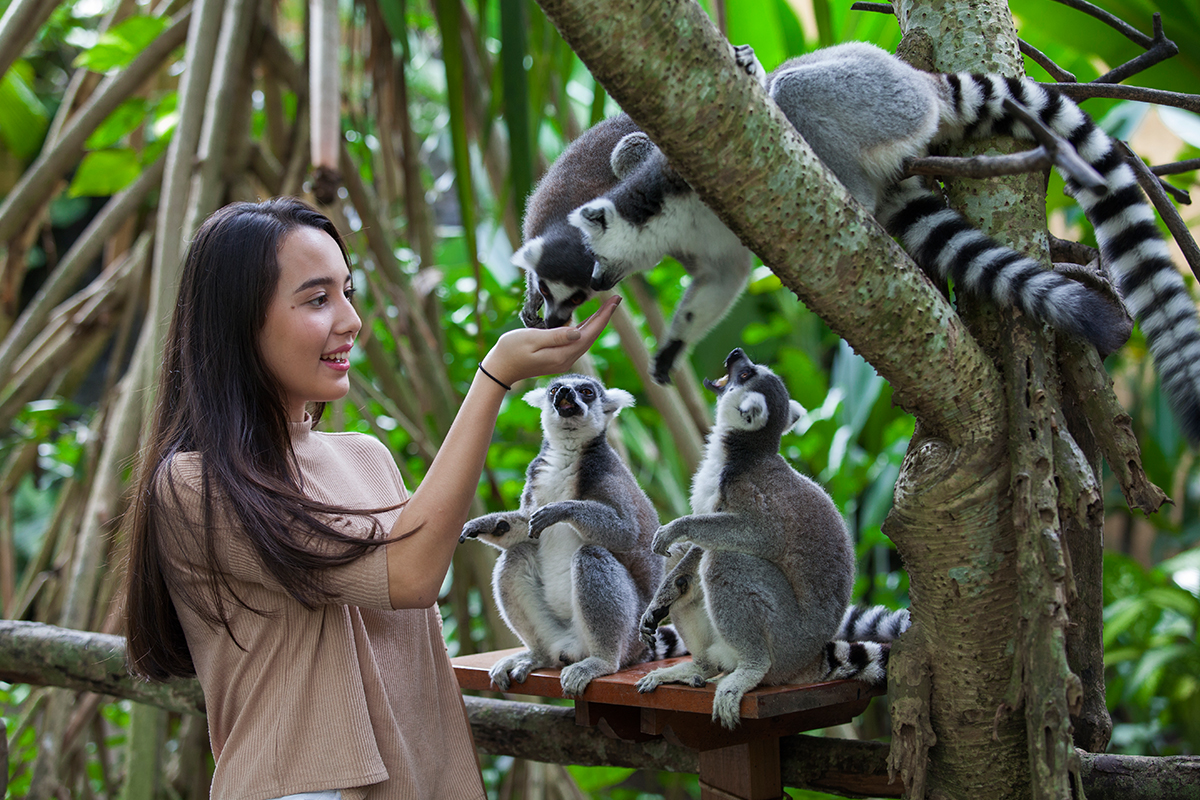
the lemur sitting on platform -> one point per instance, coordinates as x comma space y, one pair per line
576, 569
761, 593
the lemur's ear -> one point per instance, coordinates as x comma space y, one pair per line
795, 412
631, 151
615, 400
535, 397
530, 255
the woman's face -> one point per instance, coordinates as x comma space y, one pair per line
311, 323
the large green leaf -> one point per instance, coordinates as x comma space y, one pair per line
23, 118
104, 173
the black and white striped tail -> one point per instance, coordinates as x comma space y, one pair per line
864, 661
872, 624
862, 644
1131, 245
667, 644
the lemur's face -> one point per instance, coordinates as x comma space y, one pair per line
577, 406
559, 273
561, 300
747, 393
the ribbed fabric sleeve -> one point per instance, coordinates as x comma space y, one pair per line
353, 696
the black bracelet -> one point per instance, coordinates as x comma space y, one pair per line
507, 388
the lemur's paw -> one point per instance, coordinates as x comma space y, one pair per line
649, 682
648, 625
664, 361
481, 527
726, 705
664, 537
499, 675
544, 517
530, 318
697, 681
648, 635
743, 56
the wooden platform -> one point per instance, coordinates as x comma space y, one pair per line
742, 763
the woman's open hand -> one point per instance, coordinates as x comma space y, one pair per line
530, 352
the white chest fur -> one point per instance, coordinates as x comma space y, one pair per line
557, 479
706, 483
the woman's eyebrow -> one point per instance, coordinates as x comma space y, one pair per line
325, 280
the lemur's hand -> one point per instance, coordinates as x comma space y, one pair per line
666, 536
502, 529
648, 627
546, 516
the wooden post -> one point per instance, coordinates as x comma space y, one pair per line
747, 771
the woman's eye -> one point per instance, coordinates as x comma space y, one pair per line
350, 292
319, 301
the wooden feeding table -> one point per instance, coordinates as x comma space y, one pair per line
742, 763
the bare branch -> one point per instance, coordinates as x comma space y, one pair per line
1046, 63
45, 655
1124, 28
20, 23
1176, 167
1073, 252
1152, 186
979, 166
1086, 378
1084, 91
1162, 49
1061, 151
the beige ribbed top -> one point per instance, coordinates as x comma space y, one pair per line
356, 697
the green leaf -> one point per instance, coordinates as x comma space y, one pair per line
591, 779
104, 173
123, 120
23, 118
120, 44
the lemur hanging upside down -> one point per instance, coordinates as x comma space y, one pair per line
576, 569
864, 111
761, 593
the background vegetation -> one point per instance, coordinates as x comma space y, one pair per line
449, 112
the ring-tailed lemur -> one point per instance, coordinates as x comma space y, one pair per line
763, 590
614, 156
558, 267
576, 568
863, 111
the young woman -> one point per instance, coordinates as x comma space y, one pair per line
287, 568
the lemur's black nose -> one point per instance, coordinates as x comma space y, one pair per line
564, 402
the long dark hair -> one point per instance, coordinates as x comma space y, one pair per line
217, 398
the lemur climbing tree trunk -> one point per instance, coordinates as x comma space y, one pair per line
982, 689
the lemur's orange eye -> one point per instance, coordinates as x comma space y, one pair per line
577, 299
